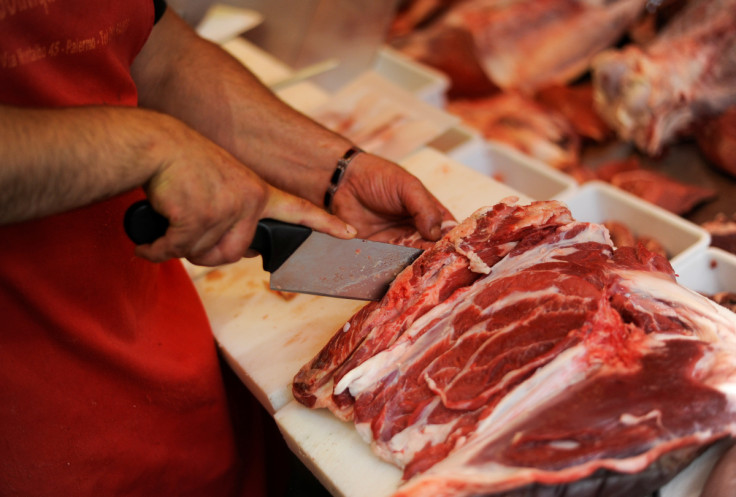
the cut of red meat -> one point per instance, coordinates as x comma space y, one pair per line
655, 94
557, 360
524, 124
717, 141
434, 276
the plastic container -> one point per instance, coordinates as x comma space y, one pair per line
428, 84
529, 176
381, 117
710, 271
598, 202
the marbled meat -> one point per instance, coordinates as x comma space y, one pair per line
524, 352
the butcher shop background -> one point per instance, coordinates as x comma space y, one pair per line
638, 93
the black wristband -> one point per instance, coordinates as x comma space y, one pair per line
342, 165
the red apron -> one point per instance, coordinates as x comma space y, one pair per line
109, 379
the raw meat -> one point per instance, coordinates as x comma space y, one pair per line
725, 298
722, 231
622, 236
554, 360
450, 50
575, 103
525, 44
652, 95
523, 124
716, 139
453, 262
412, 14
652, 186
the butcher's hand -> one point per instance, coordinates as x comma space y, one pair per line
213, 203
722, 480
380, 198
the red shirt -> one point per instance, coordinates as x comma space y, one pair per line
109, 379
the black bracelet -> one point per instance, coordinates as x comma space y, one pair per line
342, 165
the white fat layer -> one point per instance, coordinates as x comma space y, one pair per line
630, 419
549, 252
712, 322
404, 445
365, 432
564, 444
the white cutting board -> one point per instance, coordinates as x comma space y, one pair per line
266, 338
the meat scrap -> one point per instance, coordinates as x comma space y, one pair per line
652, 186
622, 236
722, 231
652, 95
575, 103
524, 124
524, 352
716, 139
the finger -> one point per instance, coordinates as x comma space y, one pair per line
296, 210
426, 211
181, 241
231, 247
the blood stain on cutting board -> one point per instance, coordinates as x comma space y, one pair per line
214, 275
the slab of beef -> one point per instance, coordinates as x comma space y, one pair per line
523, 44
560, 362
652, 95
455, 261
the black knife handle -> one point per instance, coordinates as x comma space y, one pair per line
274, 240
143, 224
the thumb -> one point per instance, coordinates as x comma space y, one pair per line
426, 211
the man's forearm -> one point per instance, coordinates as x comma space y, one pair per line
59, 159
202, 85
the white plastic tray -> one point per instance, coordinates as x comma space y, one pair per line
381, 117
426, 83
504, 164
710, 271
598, 202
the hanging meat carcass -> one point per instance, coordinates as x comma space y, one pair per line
652, 95
520, 44
523, 353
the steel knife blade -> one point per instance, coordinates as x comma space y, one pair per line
302, 260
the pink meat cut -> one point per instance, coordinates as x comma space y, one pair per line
652, 95
522, 45
551, 359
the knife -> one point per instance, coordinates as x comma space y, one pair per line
300, 259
